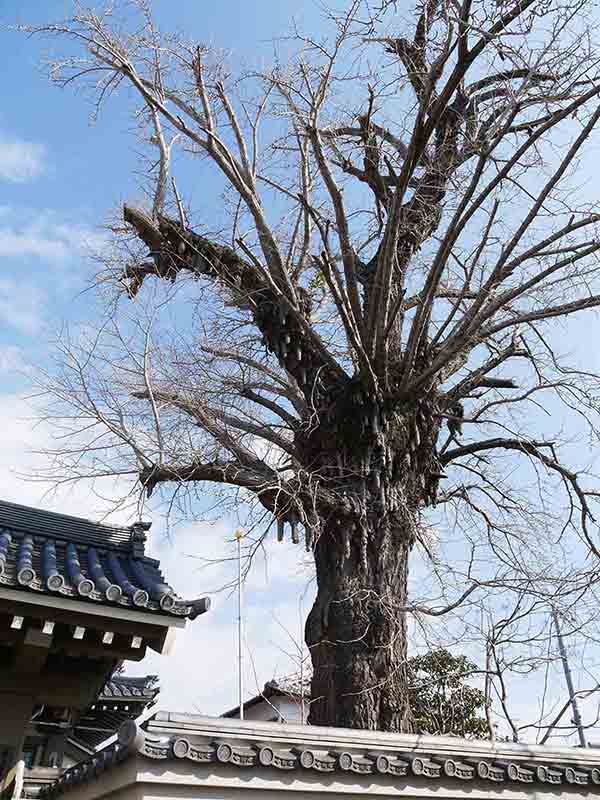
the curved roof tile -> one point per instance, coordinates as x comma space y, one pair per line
44, 552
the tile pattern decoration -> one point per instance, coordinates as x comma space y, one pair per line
69, 557
127, 687
201, 751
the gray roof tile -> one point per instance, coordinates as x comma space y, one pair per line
45, 552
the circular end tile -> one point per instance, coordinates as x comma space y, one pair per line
140, 598
307, 759
167, 601
382, 764
181, 747
418, 767
113, 593
570, 775
26, 576
345, 761
224, 753
266, 756
85, 587
55, 583
483, 769
450, 767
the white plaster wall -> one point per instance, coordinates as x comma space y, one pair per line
276, 708
141, 780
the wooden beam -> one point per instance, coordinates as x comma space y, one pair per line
112, 611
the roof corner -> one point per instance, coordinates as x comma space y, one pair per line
139, 537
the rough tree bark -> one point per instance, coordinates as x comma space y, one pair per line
356, 630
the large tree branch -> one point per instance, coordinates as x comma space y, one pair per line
270, 405
534, 450
284, 326
229, 472
522, 445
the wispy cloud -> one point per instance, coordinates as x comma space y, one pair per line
21, 161
21, 306
42, 235
38, 249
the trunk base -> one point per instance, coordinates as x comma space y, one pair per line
356, 630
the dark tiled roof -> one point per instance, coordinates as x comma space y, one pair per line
124, 687
399, 757
122, 698
49, 553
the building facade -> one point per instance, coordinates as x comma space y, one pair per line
279, 701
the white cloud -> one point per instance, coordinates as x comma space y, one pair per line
41, 234
29, 293
21, 161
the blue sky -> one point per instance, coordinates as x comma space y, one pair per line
60, 176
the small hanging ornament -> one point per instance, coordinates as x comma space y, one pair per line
294, 526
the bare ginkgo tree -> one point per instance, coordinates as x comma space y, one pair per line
374, 246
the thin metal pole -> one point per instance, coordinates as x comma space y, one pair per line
239, 535
569, 680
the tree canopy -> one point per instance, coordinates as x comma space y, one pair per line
360, 335
440, 699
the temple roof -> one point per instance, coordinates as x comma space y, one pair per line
69, 557
201, 744
125, 687
122, 698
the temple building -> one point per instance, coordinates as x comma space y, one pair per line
53, 744
122, 698
77, 599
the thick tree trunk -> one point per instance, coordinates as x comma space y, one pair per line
356, 630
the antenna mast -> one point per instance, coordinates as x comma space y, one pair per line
569, 681
239, 535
